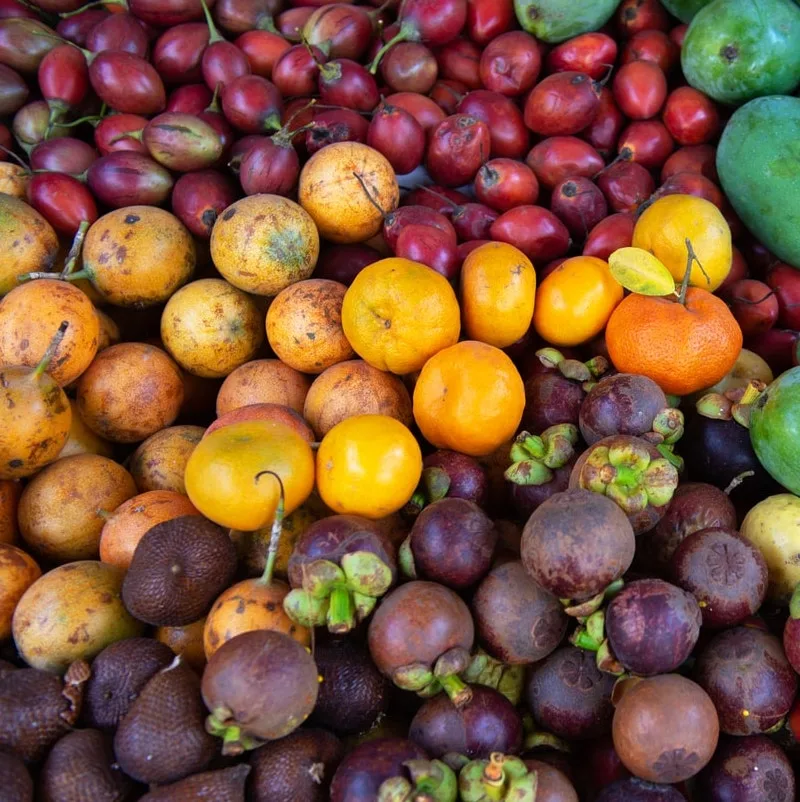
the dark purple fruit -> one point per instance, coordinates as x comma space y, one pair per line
81, 766
364, 769
749, 679
15, 780
577, 543
353, 694
259, 686
179, 567
635, 790
37, 708
517, 620
119, 673
552, 784
162, 738
652, 626
487, 723
569, 695
632, 472
551, 397
297, 767
744, 769
725, 573
223, 785
452, 541
466, 477
525, 499
421, 636
694, 506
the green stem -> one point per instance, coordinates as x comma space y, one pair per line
78, 276
75, 250
44, 363
627, 477
94, 4
691, 258
213, 34
583, 640
794, 604
275, 531
400, 36
341, 613
459, 692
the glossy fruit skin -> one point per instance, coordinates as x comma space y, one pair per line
507, 132
552, 21
579, 204
615, 231
560, 157
626, 185
652, 626
785, 282
747, 675
397, 134
127, 178
608, 122
647, 142
724, 571
510, 64
503, 184
735, 52
640, 89
63, 78
562, 104
457, 148
177, 53
665, 728
127, 83
199, 198
690, 116
63, 155
536, 231
575, 301
651, 45
774, 423
755, 139
590, 53
754, 305
62, 200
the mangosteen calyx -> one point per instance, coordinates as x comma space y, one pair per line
629, 476
339, 596
429, 780
500, 778
585, 372
222, 724
794, 603
506, 679
583, 609
444, 676
433, 486
734, 404
535, 457
591, 635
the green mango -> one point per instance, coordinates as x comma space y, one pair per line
736, 50
555, 21
775, 429
758, 161
684, 10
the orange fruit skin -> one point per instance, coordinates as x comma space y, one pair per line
10, 491
368, 465
469, 398
498, 291
682, 348
574, 302
160, 461
263, 381
18, 571
186, 641
275, 412
398, 313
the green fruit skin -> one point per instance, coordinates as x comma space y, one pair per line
684, 10
758, 161
763, 40
554, 21
775, 429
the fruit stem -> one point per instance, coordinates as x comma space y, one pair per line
75, 250
340, 613
16, 158
400, 36
691, 258
494, 779
459, 692
737, 480
441, 197
213, 33
94, 4
275, 531
79, 276
369, 196
44, 362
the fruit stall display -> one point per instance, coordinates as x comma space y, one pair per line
399, 402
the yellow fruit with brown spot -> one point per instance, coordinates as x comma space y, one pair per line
28, 243
160, 461
82, 440
263, 381
186, 641
18, 571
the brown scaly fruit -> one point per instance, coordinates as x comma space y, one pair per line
223, 785
162, 739
15, 780
119, 673
297, 767
179, 567
81, 767
37, 708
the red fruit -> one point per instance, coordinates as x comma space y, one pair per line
562, 104
63, 78
690, 116
737, 272
295, 72
398, 136
77, 29
488, 19
633, 16
692, 159
625, 185
757, 256
118, 32
425, 111
263, 49
335, 125
458, 146
604, 130
127, 83
62, 200
238, 16
441, 199
252, 104
271, 166
414, 215
343, 263
511, 63
222, 62
653, 46
678, 34
615, 232
431, 247
503, 184
754, 305
579, 204
536, 231
199, 198
344, 82
458, 60
409, 67
473, 221
344, 30
559, 157
290, 23
109, 135
448, 94
785, 281
776, 347
435, 22
692, 184
646, 142
640, 89
178, 52
591, 53
61, 155
507, 132
189, 99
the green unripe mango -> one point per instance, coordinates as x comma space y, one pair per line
555, 21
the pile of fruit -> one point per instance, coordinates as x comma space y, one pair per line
399, 402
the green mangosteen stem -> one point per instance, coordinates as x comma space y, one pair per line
502, 778
507, 679
234, 740
405, 559
459, 692
44, 362
304, 609
572, 368
277, 528
585, 608
535, 457
341, 614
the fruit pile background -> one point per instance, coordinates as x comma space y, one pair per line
399, 402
